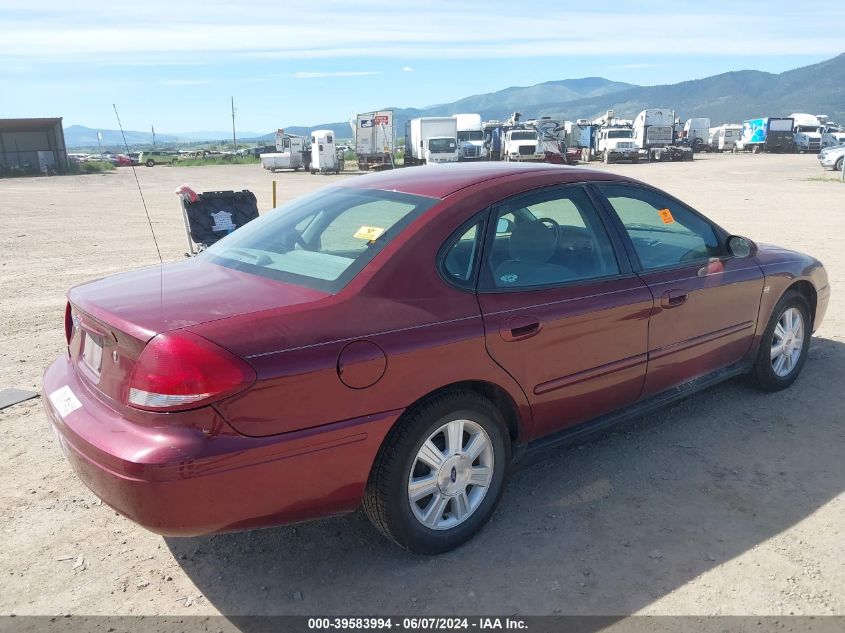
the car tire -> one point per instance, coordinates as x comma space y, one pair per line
150, 163
454, 509
789, 330
838, 165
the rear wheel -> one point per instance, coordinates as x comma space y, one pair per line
783, 349
440, 473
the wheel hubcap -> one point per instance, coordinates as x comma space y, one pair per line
787, 342
450, 475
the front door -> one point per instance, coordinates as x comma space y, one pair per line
705, 302
562, 313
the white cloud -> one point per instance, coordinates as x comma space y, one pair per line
408, 69
186, 82
335, 73
133, 33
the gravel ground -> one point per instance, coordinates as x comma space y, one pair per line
730, 502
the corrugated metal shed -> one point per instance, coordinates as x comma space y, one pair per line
32, 146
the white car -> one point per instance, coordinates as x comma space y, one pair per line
832, 157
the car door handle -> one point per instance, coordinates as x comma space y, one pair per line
673, 298
519, 328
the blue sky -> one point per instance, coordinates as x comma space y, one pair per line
286, 62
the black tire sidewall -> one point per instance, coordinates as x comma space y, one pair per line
405, 527
763, 370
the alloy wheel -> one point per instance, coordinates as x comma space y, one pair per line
450, 475
787, 342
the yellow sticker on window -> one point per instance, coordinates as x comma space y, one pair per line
666, 216
368, 233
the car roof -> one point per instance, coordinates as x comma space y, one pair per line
439, 181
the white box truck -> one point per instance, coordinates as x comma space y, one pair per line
430, 140
697, 133
288, 154
375, 139
471, 144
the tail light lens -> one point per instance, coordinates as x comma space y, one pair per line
180, 371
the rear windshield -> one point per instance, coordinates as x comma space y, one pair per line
320, 241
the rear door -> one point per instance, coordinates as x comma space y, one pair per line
563, 312
705, 302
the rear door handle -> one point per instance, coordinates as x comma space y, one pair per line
519, 328
673, 298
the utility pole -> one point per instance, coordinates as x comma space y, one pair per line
154, 136
234, 138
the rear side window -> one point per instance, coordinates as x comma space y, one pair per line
460, 256
664, 232
319, 241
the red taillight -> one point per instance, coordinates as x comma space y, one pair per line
68, 323
183, 371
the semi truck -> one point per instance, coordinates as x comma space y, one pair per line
431, 140
723, 137
375, 139
470, 136
654, 135
290, 153
766, 134
806, 132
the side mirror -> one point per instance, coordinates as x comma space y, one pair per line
739, 246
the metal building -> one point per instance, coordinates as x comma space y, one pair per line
32, 146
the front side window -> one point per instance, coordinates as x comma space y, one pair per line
546, 238
664, 232
320, 241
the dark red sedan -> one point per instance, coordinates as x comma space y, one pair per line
398, 339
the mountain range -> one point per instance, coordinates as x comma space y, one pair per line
725, 98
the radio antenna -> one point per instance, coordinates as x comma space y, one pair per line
137, 182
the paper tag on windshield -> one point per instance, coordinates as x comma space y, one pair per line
368, 233
666, 216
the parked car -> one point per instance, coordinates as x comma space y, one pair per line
397, 339
153, 158
832, 157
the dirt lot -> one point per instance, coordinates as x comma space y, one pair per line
730, 502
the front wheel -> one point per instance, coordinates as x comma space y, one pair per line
783, 349
440, 473
838, 165
150, 163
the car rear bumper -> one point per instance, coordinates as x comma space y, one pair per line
178, 479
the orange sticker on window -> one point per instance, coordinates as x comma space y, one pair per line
666, 216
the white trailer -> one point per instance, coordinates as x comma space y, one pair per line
430, 140
325, 154
723, 137
375, 139
470, 137
288, 154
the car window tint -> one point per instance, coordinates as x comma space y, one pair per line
549, 237
461, 254
664, 232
